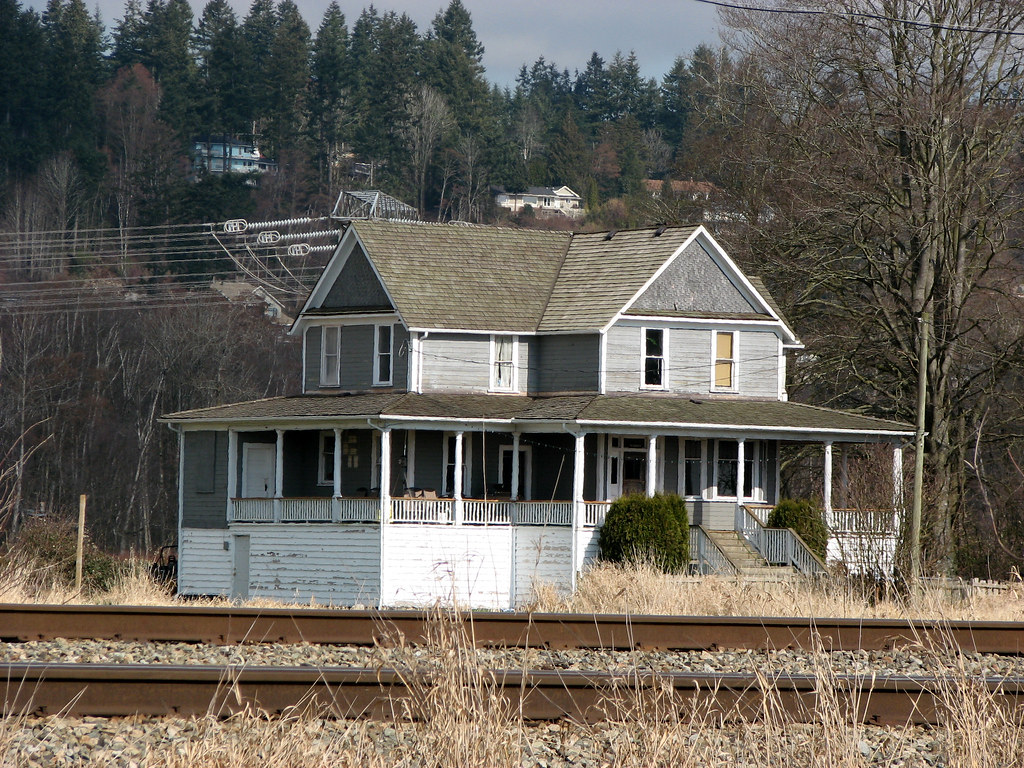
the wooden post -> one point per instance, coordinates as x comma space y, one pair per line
80, 549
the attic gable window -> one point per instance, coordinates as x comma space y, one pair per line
330, 357
654, 341
504, 370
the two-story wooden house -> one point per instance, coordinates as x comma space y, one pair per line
473, 399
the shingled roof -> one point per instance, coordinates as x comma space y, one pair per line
523, 281
596, 410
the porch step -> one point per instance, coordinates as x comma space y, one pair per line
746, 559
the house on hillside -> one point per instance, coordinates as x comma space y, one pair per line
227, 154
473, 398
545, 201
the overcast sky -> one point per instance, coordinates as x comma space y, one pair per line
515, 32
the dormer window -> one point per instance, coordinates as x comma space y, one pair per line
383, 353
504, 370
654, 345
330, 357
724, 345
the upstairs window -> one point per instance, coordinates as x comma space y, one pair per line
725, 360
503, 363
330, 357
383, 353
653, 340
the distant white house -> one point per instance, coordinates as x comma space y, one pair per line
543, 200
223, 154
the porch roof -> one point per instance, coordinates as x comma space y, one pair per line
599, 412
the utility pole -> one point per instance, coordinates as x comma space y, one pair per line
922, 401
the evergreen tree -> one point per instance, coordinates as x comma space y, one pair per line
568, 158
222, 71
452, 65
288, 78
254, 95
629, 93
21, 97
166, 53
591, 93
128, 36
676, 96
328, 106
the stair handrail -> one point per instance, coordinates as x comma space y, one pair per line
760, 537
710, 557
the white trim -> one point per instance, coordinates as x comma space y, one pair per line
735, 360
827, 478
492, 379
457, 477
354, 318
412, 372
334, 380
664, 359
651, 481
410, 458
336, 489
714, 495
305, 333
496, 331
602, 364
782, 372
377, 381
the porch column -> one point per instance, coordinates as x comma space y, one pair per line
897, 480
232, 469
278, 475
458, 479
652, 465
577, 504
741, 479
335, 504
827, 491
514, 496
385, 474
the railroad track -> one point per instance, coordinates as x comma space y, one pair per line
193, 624
120, 690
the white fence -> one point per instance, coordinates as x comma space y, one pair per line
252, 511
422, 510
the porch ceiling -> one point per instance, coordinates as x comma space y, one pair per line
598, 411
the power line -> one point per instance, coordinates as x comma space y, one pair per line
863, 15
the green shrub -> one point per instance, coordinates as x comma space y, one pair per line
647, 529
53, 544
804, 517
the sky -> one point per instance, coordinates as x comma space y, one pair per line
517, 32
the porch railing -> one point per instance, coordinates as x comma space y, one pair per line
404, 510
594, 512
778, 546
312, 510
252, 511
543, 513
878, 521
706, 556
352, 510
481, 512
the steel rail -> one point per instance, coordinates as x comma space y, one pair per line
198, 624
155, 690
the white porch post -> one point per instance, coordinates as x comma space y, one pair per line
741, 477
514, 495
459, 507
652, 465
827, 490
897, 481
385, 473
336, 504
577, 504
278, 475
232, 469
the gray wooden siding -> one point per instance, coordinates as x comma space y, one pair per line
715, 515
567, 363
205, 504
302, 464
357, 357
692, 283
671, 448
429, 469
400, 358
689, 361
456, 363
311, 380
759, 364
357, 287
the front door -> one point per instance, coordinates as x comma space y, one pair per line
627, 466
258, 470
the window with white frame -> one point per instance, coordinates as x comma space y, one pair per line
330, 356
724, 344
726, 468
325, 468
383, 354
654, 344
504, 368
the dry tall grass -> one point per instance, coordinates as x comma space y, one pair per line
643, 589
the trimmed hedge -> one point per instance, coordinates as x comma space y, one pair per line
653, 529
804, 517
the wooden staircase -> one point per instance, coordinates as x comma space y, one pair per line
745, 558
